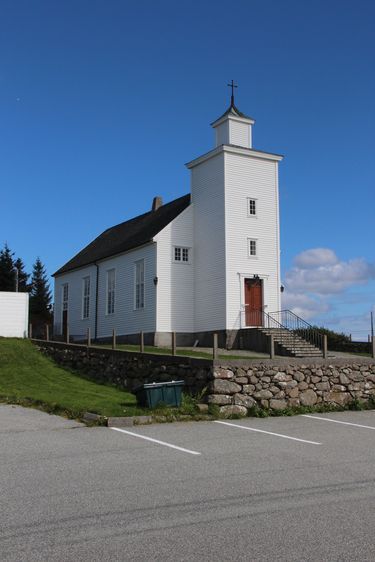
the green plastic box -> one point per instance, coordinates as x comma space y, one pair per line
152, 394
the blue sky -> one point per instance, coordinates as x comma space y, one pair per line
102, 103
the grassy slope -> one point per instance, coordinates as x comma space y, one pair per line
27, 375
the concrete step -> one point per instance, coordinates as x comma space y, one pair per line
293, 344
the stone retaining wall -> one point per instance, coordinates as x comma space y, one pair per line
278, 385
236, 386
129, 369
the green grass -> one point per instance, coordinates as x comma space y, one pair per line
29, 378
180, 351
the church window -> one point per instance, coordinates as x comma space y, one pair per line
181, 255
251, 207
65, 296
252, 247
85, 297
111, 286
140, 284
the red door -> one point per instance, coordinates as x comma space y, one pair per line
254, 302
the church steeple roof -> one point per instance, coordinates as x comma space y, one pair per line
233, 110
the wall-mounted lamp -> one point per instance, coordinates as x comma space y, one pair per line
282, 289
156, 281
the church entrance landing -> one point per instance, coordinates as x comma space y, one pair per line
253, 302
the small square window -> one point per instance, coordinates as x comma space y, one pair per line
181, 255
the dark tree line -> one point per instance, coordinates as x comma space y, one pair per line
13, 277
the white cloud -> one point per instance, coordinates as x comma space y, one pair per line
320, 271
316, 257
304, 305
317, 276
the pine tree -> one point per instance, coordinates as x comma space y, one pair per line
40, 295
23, 286
7, 272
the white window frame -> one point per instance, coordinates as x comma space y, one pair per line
86, 290
64, 296
139, 285
182, 250
110, 301
249, 243
252, 215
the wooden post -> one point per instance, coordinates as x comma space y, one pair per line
373, 347
67, 333
88, 337
325, 347
174, 344
272, 347
215, 351
141, 342
47, 332
114, 338
30, 331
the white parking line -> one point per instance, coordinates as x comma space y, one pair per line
268, 432
337, 421
156, 441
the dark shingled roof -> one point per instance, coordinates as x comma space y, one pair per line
127, 235
233, 110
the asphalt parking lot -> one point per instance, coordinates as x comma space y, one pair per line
288, 489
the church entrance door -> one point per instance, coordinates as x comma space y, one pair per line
254, 302
64, 323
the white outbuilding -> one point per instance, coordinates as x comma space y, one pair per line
206, 262
14, 314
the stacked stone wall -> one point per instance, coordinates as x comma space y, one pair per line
277, 386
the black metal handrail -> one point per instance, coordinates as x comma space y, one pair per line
286, 337
299, 327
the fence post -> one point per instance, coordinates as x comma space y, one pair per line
141, 342
114, 338
174, 344
88, 337
373, 347
215, 351
47, 332
272, 347
325, 346
67, 333
30, 331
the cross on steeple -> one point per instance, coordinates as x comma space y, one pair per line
232, 85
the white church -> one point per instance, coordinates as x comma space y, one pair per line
207, 262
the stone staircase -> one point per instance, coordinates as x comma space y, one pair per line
291, 344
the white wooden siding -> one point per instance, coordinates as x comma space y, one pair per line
126, 319
175, 289
207, 185
222, 133
248, 177
239, 134
77, 324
